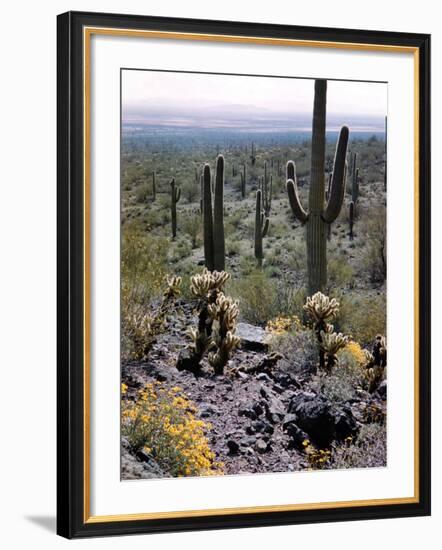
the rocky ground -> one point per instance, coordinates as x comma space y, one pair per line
260, 411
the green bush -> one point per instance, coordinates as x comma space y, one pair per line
256, 295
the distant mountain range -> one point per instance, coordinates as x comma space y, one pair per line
242, 117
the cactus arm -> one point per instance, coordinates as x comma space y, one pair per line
295, 201
219, 254
266, 227
178, 194
337, 190
291, 170
207, 218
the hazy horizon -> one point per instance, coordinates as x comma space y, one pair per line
209, 101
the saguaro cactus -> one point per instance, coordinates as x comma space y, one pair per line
261, 227
253, 155
243, 181
175, 194
351, 213
154, 187
267, 187
213, 220
319, 214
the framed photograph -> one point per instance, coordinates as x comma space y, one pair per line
243, 232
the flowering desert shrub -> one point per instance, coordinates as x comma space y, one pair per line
162, 422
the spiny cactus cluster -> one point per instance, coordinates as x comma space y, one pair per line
261, 227
213, 220
332, 342
223, 313
376, 363
217, 316
175, 194
321, 309
319, 214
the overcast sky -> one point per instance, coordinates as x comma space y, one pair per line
183, 99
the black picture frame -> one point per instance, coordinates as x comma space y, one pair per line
71, 519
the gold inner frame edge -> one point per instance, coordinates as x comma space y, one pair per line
87, 33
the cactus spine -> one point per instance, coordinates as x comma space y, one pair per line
175, 194
261, 227
213, 220
319, 214
154, 187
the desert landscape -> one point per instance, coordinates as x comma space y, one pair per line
253, 296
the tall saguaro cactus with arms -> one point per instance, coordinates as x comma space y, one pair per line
320, 212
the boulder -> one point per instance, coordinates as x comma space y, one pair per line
138, 468
320, 420
252, 337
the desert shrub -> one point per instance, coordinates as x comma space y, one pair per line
342, 383
256, 295
142, 193
375, 259
363, 317
140, 328
181, 249
340, 272
298, 349
191, 225
368, 450
281, 325
191, 191
289, 300
232, 247
143, 264
162, 422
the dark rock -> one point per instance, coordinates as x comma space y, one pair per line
287, 380
248, 412
261, 446
261, 426
207, 410
322, 422
252, 338
263, 377
187, 361
382, 390
274, 410
257, 407
248, 441
133, 468
345, 423
233, 446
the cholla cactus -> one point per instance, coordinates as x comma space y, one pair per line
224, 313
216, 323
173, 289
376, 363
321, 308
331, 343
202, 284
